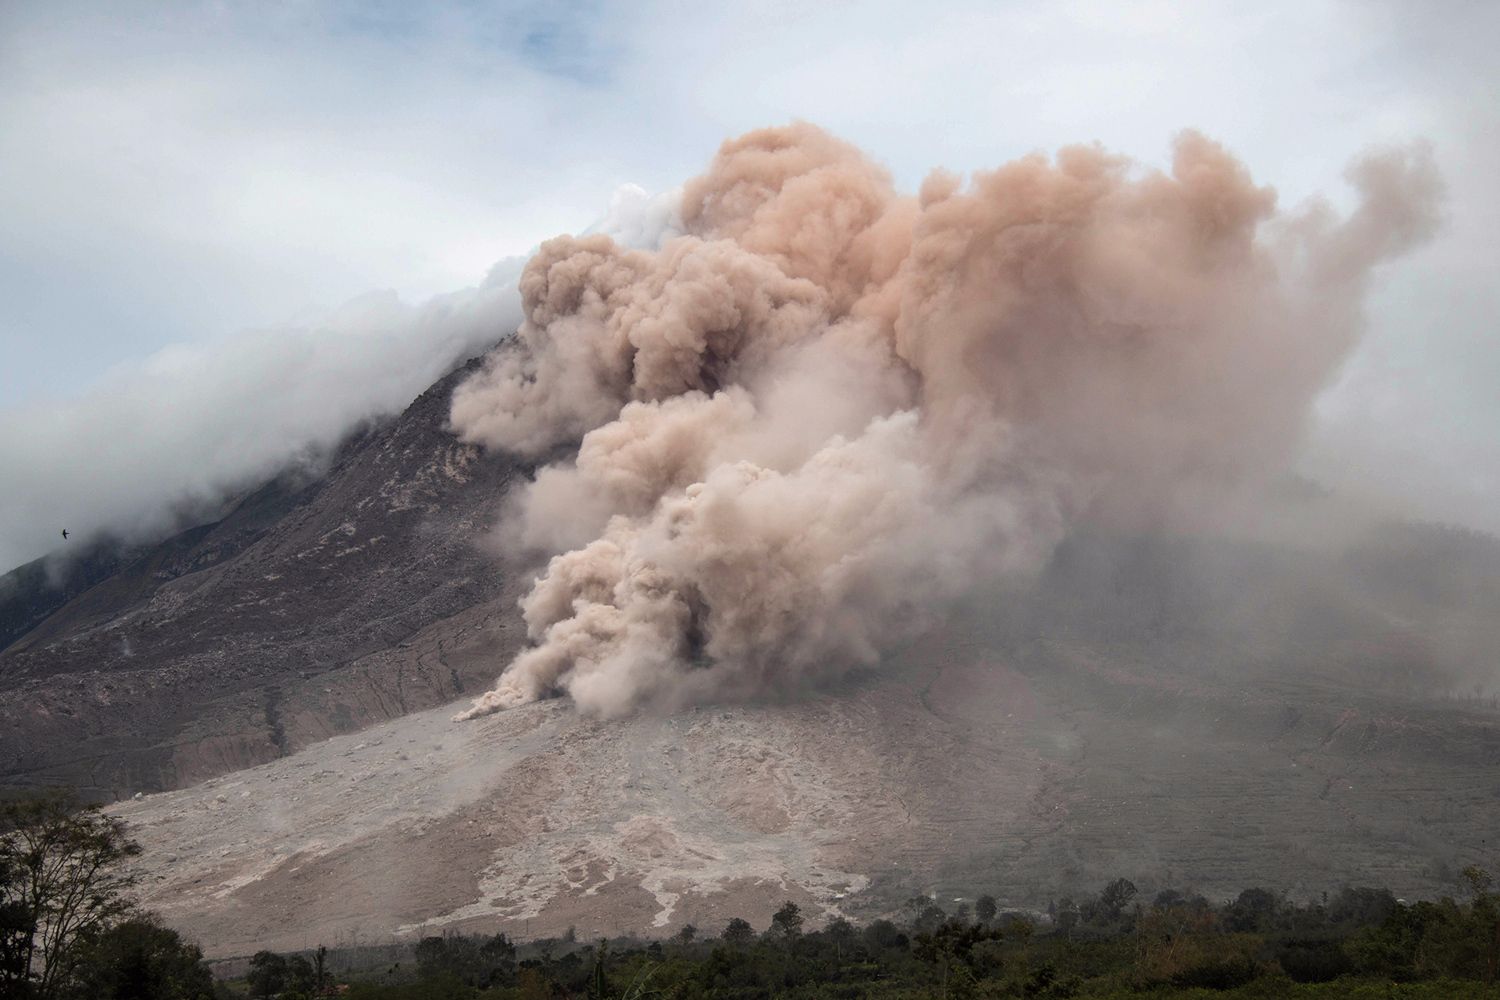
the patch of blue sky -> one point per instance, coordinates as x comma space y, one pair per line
569, 39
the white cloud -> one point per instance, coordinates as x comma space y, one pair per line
175, 174
193, 422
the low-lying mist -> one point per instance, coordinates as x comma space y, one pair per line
155, 447
161, 445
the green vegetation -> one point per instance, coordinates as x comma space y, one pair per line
1358, 943
67, 927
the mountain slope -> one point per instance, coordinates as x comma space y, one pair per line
1203, 714
954, 771
310, 608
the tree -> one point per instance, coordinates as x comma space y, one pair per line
1115, 897
300, 975
61, 879
473, 961
431, 954
738, 931
1362, 907
139, 959
915, 906
840, 933
1168, 898
923, 914
320, 967
1485, 914
840, 930
952, 945
882, 935
499, 956
1253, 910
598, 988
268, 974
1067, 916
1478, 880
786, 923
687, 935
16, 927
985, 908
1019, 928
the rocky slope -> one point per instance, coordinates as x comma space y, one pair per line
1199, 714
954, 772
311, 608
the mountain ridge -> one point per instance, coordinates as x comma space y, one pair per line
205, 652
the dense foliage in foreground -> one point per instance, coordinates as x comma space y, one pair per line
1359, 943
68, 929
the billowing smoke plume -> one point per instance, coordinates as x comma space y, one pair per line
827, 409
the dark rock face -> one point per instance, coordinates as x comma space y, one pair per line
29, 593
310, 608
115, 573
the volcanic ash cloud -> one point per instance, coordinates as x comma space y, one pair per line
826, 410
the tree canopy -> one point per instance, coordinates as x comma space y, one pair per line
62, 881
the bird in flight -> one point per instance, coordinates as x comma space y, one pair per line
65, 534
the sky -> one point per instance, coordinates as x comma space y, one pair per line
225, 224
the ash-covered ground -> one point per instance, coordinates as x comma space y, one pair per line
956, 771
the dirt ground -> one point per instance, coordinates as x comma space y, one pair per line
966, 775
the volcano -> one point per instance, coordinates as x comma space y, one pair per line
268, 700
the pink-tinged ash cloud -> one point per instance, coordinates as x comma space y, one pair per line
827, 409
